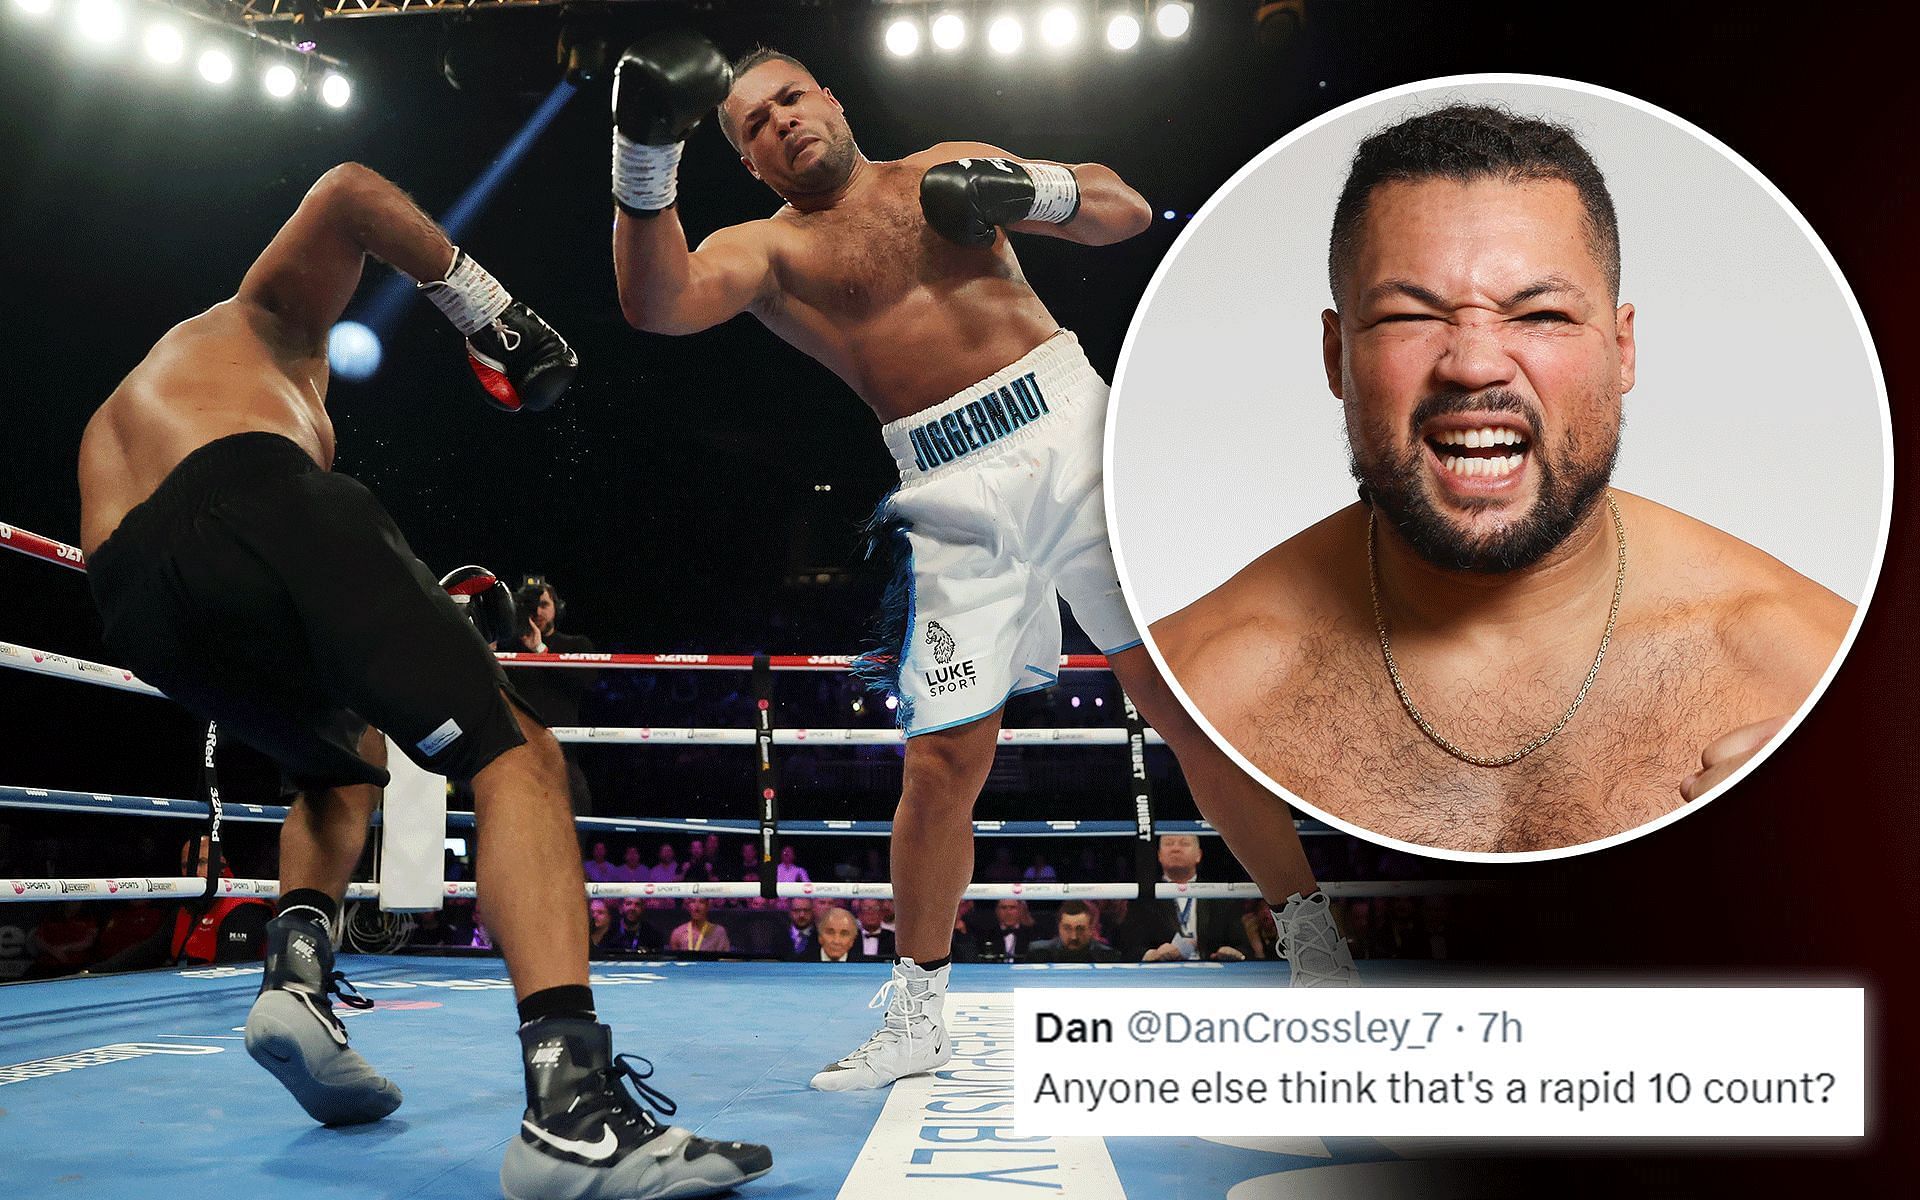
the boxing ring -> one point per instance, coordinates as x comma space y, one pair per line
134, 1083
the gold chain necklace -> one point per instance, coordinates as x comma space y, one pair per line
1426, 727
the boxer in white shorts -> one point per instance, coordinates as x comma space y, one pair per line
900, 278
1000, 509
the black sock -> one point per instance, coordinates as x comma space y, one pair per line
934, 964
567, 1000
311, 898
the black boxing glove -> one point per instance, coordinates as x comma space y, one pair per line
662, 88
484, 598
517, 358
966, 201
520, 362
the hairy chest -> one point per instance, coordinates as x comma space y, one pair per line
862, 259
1336, 734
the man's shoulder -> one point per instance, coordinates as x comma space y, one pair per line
762, 235
941, 152
1711, 585
1252, 629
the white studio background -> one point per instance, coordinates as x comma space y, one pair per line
1757, 407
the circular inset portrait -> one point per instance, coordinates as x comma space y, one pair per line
1499, 466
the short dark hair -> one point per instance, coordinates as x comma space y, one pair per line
527, 600
747, 62
1076, 908
1465, 142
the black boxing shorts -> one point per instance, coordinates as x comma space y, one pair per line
279, 599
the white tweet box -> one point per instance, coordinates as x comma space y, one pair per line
1442, 1062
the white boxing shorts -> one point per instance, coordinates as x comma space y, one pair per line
999, 512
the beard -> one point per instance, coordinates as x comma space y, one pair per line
1570, 480
832, 169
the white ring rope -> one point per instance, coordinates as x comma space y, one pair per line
42, 891
45, 662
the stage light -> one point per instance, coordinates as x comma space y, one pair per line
1169, 214
1059, 27
34, 8
99, 22
1005, 35
903, 38
1173, 19
893, 702
216, 66
164, 44
949, 31
353, 351
1123, 32
279, 81
1076, 702
335, 90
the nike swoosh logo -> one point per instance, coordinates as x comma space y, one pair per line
596, 1150
334, 1031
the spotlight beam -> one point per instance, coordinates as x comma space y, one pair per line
383, 310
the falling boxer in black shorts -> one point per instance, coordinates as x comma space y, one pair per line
241, 576
280, 600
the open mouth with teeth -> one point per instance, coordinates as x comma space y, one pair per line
1489, 452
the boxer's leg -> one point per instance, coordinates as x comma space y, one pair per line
932, 866
528, 868
1256, 824
326, 830
933, 833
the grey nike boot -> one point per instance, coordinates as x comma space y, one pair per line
583, 1137
1317, 956
292, 1030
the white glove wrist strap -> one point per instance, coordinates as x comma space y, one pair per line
645, 177
469, 296
1056, 193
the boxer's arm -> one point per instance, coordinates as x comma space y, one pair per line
665, 288
1110, 211
308, 273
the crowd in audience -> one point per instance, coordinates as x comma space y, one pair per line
64, 938
1010, 930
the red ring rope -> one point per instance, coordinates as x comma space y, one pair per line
45, 548
35, 546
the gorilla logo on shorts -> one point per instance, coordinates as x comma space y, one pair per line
941, 641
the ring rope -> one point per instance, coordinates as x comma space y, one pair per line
45, 662
59, 553
42, 891
768, 827
44, 548
55, 800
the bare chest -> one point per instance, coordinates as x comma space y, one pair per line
862, 260
1337, 735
